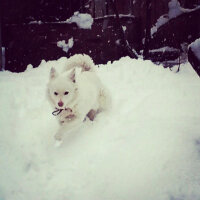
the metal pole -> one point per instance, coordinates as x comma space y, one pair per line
147, 29
1, 57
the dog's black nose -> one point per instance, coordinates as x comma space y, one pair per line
60, 103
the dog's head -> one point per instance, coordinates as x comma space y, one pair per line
62, 88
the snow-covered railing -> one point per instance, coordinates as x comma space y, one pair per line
175, 10
120, 16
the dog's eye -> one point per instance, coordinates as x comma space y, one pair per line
56, 93
66, 93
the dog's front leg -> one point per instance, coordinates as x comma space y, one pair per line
59, 134
68, 127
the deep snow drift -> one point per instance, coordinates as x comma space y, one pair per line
145, 148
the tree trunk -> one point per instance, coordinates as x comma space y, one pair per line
107, 7
1, 60
125, 44
147, 29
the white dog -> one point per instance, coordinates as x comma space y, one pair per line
77, 93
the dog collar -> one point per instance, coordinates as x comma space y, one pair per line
58, 111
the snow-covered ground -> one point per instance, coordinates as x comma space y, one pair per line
147, 147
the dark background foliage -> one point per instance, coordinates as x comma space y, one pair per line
30, 30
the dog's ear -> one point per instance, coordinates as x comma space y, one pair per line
72, 75
53, 73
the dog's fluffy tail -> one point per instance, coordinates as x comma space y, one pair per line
80, 60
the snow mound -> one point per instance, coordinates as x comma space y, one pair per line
83, 20
146, 147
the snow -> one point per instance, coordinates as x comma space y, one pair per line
120, 16
161, 21
195, 46
124, 28
83, 20
146, 147
117, 42
36, 22
65, 47
163, 49
174, 9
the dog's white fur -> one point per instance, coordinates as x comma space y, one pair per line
86, 94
